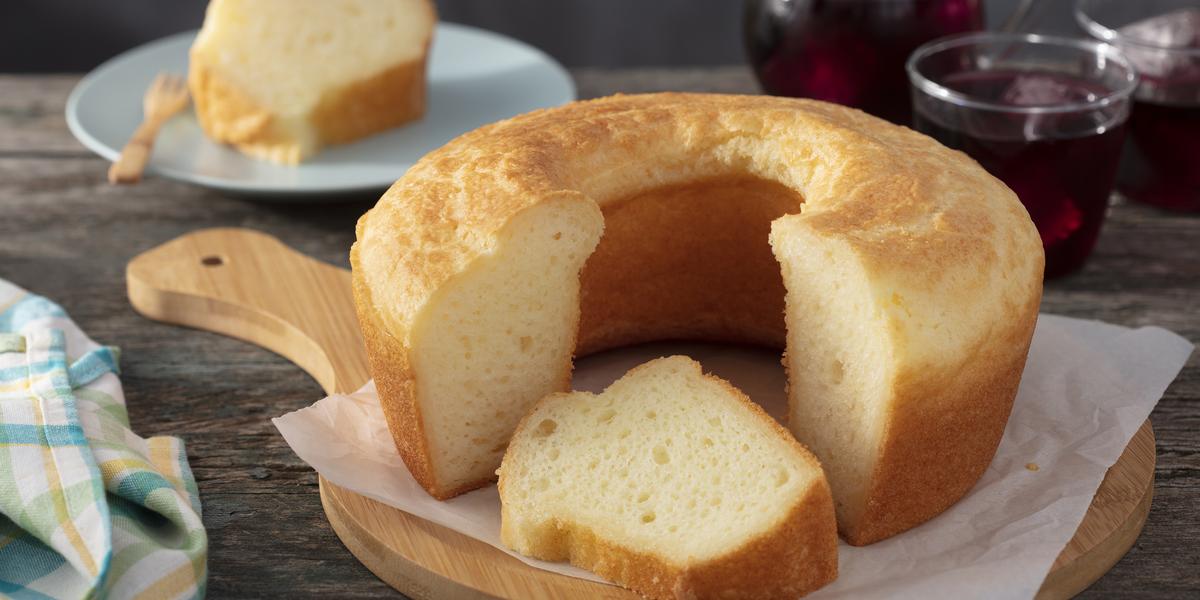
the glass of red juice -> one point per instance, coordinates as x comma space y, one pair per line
1045, 115
850, 52
1161, 38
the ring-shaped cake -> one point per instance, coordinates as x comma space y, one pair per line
902, 280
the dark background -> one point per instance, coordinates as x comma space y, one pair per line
48, 36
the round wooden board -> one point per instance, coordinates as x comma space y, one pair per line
248, 285
427, 561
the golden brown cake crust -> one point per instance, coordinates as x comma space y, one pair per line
389, 99
953, 442
393, 379
228, 116
794, 558
950, 249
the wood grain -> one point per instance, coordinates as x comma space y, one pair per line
1112, 524
67, 234
249, 285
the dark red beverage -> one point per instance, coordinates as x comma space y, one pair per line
1063, 173
1162, 162
851, 52
1161, 38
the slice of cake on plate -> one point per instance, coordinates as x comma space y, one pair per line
278, 79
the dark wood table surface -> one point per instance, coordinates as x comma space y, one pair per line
66, 234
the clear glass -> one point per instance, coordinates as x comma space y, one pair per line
1045, 115
848, 51
1161, 38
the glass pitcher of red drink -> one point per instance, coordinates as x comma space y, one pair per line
1161, 165
1044, 115
850, 52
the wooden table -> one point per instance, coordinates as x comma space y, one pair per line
67, 234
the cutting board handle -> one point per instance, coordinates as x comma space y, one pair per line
249, 285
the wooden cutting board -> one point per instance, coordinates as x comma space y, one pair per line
250, 286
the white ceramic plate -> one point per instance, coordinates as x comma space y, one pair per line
475, 77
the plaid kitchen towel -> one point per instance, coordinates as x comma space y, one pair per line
88, 509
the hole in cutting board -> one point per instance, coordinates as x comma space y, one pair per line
212, 261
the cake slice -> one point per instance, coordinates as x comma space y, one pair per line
278, 79
673, 484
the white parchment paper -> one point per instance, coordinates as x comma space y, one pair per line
1087, 388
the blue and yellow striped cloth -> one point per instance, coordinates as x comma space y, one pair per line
88, 509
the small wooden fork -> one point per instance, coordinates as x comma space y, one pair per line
167, 95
